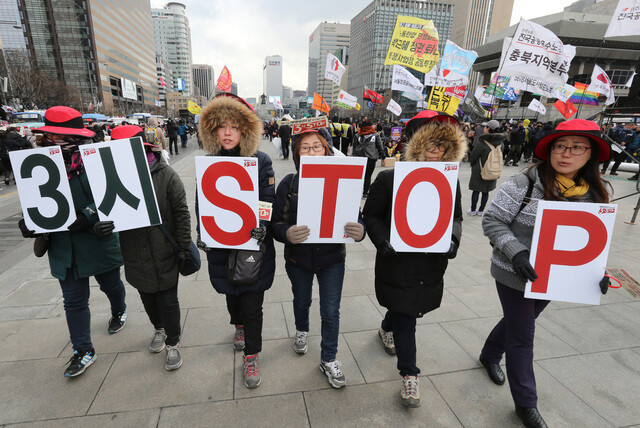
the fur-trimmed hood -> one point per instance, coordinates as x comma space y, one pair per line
221, 109
451, 136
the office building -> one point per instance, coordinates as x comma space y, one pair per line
11, 35
165, 79
475, 20
172, 37
272, 77
234, 88
327, 37
203, 80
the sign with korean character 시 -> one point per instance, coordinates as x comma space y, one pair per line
414, 44
43, 187
118, 173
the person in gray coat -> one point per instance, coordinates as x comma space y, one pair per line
492, 137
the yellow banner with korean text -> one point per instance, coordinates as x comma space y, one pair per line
414, 44
440, 101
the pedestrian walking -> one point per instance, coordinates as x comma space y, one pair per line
9, 141
172, 132
487, 150
369, 145
568, 171
284, 132
183, 132
154, 134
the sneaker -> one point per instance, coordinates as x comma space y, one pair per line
300, 344
387, 341
515, 164
174, 359
79, 362
238, 338
333, 372
157, 341
480, 213
613, 173
117, 322
410, 392
471, 212
251, 371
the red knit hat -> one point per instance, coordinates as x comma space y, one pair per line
580, 127
65, 121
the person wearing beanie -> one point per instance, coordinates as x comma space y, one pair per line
368, 144
228, 126
568, 171
80, 253
492, 138
155, 135
304, 261
410, 285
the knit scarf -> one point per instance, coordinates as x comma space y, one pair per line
569, 188
367, 130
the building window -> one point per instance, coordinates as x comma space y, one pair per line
620, 77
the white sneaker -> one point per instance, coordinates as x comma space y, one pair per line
387, 341
300, 344
410, 392
333, 372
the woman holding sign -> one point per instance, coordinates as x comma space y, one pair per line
568, 171
228, 126
411, 284
302, 262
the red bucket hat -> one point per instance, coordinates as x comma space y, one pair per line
124, 132
426, 116
580, 127
65, 121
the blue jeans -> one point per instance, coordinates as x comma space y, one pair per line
75, 293
330, 280
183, 140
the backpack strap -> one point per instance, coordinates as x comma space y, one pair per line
527, 197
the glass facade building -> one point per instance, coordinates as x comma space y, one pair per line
11, 34
327, 37
203, 80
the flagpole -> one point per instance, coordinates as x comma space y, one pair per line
585, 89
493, 96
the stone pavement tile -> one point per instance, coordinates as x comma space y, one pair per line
12, 279
636, 350
280, 291
481, 299
477, 402
475, 251
16, 313
284, 371
357, 313
32, 262
627, 261
479, 271
33, 339
360, 260
451, 309
608, 382
138, 380
273, 411
35, 390
437, 353
377, 405
199, 294
206, 326
455, 277
471, 334
34, 293
144, 418
595, 328
358, 283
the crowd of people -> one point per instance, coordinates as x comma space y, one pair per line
408, 285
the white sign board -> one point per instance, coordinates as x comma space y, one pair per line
227, 189
424, 197
45, 195
128, 89
329, 195
120, 181
569, 251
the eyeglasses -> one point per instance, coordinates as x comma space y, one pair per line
437, 147
316, 148
575, 150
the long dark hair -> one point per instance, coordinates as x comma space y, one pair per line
590, 173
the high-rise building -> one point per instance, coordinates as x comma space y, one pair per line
234, 88
327, 37
475, 20
11, 35
272, 77
165, 79
173, 42
203, 82
371, 32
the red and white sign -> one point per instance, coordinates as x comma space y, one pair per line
301, 125
458, 92
227, 201
569, 251
329, 196
424, 195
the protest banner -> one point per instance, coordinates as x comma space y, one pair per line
394, 107
454, 67
347, 99
567, 109
396, 133
326, 183
227, 190
424, 195
413, 96
403, 80
193, 107
625, 20
320, 104
601, 84
440, 101
334, 69
301, 125
569, 250
43, 187
563, 92
536, 105
121, 185
224, 80
458, 92
471, 106
414, 44
372, 96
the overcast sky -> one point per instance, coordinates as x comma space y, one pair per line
241, 33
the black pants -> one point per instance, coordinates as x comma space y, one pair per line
483, 201
404, 337
344, 145
163, 310
617, 158
285, 147
515, 151
246, 310
173, 141
371, 165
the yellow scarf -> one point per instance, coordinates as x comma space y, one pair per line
569, 188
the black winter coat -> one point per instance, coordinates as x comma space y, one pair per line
311, 257
409, 283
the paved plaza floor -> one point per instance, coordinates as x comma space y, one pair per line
587, 358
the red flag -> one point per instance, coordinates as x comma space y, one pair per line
566, 109
320, 104
161, 82
372, 96
224, 81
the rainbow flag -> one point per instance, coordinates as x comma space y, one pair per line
582, 96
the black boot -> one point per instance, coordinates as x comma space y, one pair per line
493, 370
530, 417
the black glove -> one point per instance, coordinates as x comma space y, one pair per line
80, 225
453, 250
201, 245
183, 255
103, 228
26, 232
259, 233
604, 284
386, 250
522, 267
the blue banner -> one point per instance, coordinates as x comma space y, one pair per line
456, 59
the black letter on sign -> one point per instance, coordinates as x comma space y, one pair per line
145, 182
114, 185
47, 190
